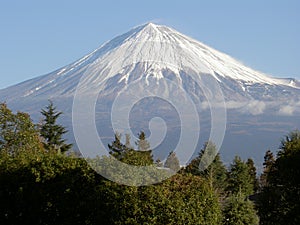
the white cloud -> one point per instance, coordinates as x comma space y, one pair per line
256, 107
286, 110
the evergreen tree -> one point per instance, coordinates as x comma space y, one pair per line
216, 172
117, 149
279, 200
239, 178
239, 211
269, 161
172, 162
252, 171
126, 154
127, 142
142, 143
51, 131
143, 146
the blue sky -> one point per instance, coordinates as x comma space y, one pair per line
37, 37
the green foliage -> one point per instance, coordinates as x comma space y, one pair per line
252, 172
142, 143
239, 178
43, 187
126, 154
172, 162
117, 149
178, 200
239, 211
215, 172
46, 188
269, 162
53, 132
279, 200
17, 132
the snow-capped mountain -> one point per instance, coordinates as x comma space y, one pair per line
154, 55
155, 49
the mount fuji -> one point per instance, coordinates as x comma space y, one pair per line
159, 67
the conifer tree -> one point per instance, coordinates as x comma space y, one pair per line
117, 148
239, 210
142, 143
216, 172
252, 171
172, 162
52, 132
279, 200
143, 147
239, 178
126, 153
269, 161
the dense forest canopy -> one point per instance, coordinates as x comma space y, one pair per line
43, 182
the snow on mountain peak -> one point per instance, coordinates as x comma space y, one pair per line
156, 48
157, 43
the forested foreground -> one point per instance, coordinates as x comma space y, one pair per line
43, 182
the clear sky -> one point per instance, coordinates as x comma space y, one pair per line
37, 37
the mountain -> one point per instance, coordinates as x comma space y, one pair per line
160, 72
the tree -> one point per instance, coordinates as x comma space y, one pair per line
48, 188
181, 199
172, 162
142, 143
215, 172
53, 132
269, 161
126, 154
252, 171
17, 132
117, 149
143, 146
127, 141
239, 211
239, 178
279, 200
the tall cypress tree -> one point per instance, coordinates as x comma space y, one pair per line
53, 132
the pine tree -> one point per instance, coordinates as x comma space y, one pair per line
172, 162
127, 142
117, 149
269, 161
142, 143
216, 172
239, 178
143, 148
279, 200
239, 211
52, 132
252, 171
126, 154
